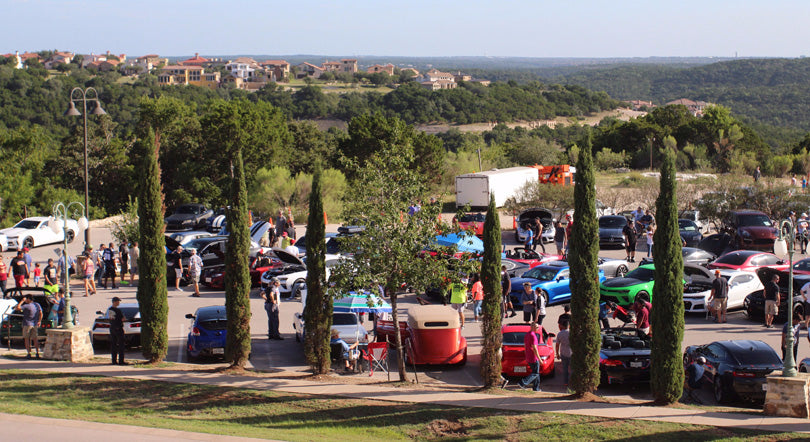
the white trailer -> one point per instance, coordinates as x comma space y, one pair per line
474, 188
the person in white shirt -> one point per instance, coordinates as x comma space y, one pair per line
194, 269
804, 294
292, 249
802, 225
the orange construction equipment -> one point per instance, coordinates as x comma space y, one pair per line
560, 174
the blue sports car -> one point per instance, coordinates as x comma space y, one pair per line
208, 330
552, 278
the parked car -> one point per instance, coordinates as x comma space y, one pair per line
694, 216
623, 291
624, 356
431, 335
11, 321
184, 237
217, 221
690, 232
691, 255
208, 332
132, 325
716, 244
522, 223
293, 281
610, 231
3, 242
804, 365
736, 368
188, 217
473, 222
750, 229
802, 267
34, 232
346, 323
552, 278
754, 304
741, 284
748, 260
514, 268
214, 276
513, 354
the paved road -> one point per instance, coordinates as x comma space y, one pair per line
287, 355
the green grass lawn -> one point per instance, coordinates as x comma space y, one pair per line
252, 413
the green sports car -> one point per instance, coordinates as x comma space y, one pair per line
623, 291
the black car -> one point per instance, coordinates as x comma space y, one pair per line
210, 248
754, 304
804, 365
610, 231
514, 268
625, 356
691, 255
189, 217
717, 244
736, 368
690, 232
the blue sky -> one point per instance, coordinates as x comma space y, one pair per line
583, 28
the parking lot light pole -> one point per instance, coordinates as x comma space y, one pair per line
73, 112
61, 214
780, 247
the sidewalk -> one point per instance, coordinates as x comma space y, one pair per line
527, 404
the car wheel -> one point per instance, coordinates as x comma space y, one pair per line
71, 235
621, 271
803, 369
720, 394
28, 242
644, 294
297, 288
190, 358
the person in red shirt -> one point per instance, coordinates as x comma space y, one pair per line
530, 344
642, 308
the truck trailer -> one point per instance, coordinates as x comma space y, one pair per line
474, 188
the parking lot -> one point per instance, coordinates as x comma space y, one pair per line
287, 355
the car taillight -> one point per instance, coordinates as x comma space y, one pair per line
102, 326
46, 325
612, 362
195, 331
743, 374
6, 325
136, 325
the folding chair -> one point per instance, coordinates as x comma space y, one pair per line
377, 355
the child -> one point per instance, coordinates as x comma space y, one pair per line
37, 274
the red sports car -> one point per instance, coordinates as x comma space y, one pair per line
748, 261
802, 267
531, 257
513, 355
473, 222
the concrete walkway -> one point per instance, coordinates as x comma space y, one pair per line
752, 421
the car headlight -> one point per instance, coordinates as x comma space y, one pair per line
745, 233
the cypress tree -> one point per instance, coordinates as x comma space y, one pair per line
318, 308
585, 336
666, 318
237, 272
491, 280
152, 295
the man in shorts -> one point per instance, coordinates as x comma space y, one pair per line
458, 298
19, 269
176, 261
194, 269
630, 240
720, 297
529, 301
32, 318
771, 300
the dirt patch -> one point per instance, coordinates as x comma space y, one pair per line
443, 428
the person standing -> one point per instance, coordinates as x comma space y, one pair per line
3, 276
134, 254
108, 256
566, 314
88, 270
281, 224
51, 277
271, 296
530, 347
804, 295
720, 297
649, 235
60, 306
629, 240
540, 303
560, 237
29, 261
194, 269
528, 300
757, 174
802, 225
63, 274
538, 235
794, 328
563, 350
291, 229
771, 300
506, 290
642, 315
32, 319
458, 299
37, 275
116, 317
123, 258
19, 269
99, 262
176, 261
477, 297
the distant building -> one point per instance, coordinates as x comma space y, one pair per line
641, 104
280, 69
188, 75
377, 68
695, 107
144, 63
435, 75
245, 68
196, 60
435, 85
332, 66
458, 76
58, 58
348, 65
18, 63
308, 70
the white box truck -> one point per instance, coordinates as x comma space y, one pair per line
474, 188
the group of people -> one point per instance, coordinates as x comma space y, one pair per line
99, 266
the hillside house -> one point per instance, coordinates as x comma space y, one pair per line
435, 85
57, 59
695, 107
188, 75
308, 70
377, 68
196, 60
348, 65
245, 68
332, 66
280, 69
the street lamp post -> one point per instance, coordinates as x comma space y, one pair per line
61, 214
780, 247
73, 112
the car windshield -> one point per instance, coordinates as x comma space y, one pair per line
542, 274
129, 312
686, 225
472, 217
754, 219
803, 265
27, 224
187, 210
734, 259
757, 357
344, 319
642, 274
198, 243
612, 222
516, 338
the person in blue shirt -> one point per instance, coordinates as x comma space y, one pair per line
605, 310
694, 375
350, 352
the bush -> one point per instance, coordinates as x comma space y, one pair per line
606, 159
635, 179
781, 164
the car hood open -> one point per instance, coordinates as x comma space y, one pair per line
287, 257
535, 212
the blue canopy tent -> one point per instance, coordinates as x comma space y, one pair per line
463, 242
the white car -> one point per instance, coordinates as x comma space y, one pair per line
292, 283
132, 324
741, 284
347, 325
34, 232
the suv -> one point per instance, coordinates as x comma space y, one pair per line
189, 217
750, 229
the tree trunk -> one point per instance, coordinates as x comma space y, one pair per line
403, 375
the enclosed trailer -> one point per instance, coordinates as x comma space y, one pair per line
474, 188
